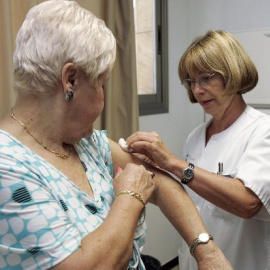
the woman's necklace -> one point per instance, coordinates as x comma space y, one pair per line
40, 142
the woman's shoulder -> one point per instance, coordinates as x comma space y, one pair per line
8, 142
259, 117
96, 144
13, 151
99, 139
257, 113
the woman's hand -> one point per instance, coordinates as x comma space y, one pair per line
150, 145
134, 178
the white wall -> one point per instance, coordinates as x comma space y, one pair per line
187, 19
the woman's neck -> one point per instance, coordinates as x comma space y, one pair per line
233, 112
40, 118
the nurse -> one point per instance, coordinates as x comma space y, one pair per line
227, 159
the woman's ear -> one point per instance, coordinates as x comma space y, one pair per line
69, 71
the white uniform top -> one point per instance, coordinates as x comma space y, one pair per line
244, 150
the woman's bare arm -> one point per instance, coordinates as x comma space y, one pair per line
177, 206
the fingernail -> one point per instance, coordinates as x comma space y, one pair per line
117, 169
152, 174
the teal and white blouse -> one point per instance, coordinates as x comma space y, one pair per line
43, 215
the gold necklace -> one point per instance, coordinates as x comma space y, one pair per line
40, 142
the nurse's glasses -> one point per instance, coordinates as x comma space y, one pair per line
203, 80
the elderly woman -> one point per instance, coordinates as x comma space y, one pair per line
62, 206
227, 165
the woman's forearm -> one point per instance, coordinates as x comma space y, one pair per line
177, 206
109, 247
174, 202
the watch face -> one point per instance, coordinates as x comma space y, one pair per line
188, 173
204, 237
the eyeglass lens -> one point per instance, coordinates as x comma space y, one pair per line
203, 80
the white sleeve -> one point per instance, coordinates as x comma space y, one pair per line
254, 167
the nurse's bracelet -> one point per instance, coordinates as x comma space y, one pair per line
140, 198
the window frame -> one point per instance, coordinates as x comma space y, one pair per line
158, 103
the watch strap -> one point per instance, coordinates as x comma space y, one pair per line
185, 180
198, 241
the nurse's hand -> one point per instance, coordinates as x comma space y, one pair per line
150, 145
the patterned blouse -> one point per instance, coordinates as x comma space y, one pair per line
44, 215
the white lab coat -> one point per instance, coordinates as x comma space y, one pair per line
244, 150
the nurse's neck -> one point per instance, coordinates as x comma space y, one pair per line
223, 121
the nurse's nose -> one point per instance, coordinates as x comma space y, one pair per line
197, 89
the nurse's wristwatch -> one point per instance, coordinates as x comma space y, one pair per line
188, 174
203, 238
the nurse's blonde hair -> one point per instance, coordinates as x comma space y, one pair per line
219, 52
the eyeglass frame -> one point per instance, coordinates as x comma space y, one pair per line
188, 82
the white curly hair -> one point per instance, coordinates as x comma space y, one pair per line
57, 32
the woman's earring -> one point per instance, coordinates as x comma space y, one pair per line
69, 94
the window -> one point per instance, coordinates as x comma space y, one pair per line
151, 51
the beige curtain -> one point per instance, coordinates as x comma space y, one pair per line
120, 115
121, 111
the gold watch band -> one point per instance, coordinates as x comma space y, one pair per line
203, 238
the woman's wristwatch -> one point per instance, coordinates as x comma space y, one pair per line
188, 174
203, 238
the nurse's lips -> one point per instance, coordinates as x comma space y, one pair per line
205, 103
